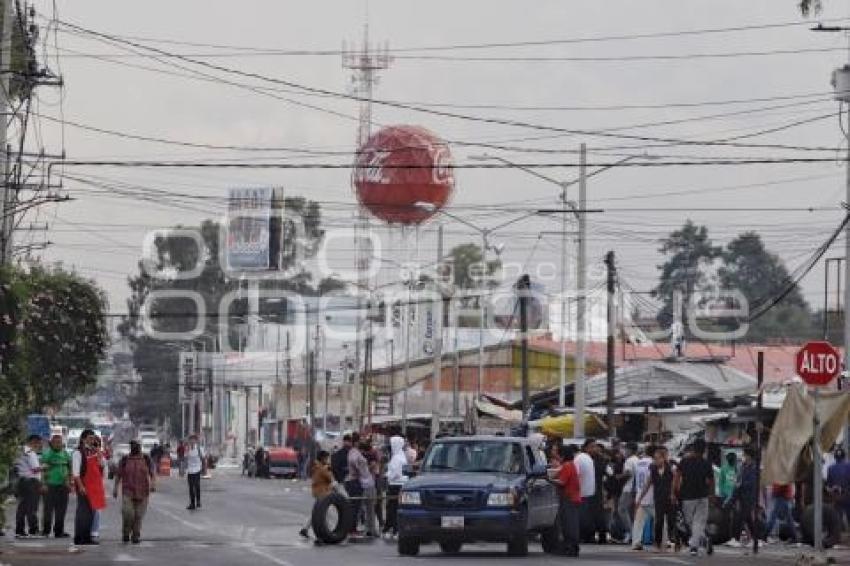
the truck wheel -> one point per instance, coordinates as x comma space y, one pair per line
328, 529
550, 539
518, 546
451, 547
408, 546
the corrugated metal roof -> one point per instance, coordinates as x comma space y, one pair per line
648, 381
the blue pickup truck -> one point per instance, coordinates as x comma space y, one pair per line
478, 489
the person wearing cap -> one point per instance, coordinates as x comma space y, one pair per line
135, 475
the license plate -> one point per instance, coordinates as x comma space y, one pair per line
452, 522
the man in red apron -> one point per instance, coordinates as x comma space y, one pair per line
87, 471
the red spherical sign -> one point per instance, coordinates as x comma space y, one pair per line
818, 363
403, 174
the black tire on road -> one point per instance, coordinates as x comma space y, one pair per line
451, 547
345, 519
408, 546
831, 525
518, 546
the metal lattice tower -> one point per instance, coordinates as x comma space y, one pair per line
365, 62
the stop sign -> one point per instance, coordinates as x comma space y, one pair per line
818, 363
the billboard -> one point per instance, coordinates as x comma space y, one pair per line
187, 375
248, 242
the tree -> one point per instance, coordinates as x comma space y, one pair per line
761, 276
53, 336
808, 7
690, 253
157, 360
467, 260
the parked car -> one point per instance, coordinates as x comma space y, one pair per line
478, 488
283, 462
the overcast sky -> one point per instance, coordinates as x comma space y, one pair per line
101, 231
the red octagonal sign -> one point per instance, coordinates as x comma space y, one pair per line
818, 363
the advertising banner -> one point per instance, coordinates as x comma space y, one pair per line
187, 375
249, 212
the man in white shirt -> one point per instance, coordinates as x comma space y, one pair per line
645, 507
29, 488
626, 503
587, 483
194, 469
586, 474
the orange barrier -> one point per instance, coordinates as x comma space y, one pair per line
165, 466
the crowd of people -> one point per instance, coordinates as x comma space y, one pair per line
371, 476
642, 496
645, 497
46, 477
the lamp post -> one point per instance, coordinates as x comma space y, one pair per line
485, 245
569, 207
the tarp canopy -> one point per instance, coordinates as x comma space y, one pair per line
793, 430
563, 426
499, 412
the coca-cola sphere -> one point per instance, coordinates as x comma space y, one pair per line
403, 174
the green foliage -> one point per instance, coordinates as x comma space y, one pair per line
746, 266
53, 335
760, 275
467, 265
808, 7
156, 360
690, 253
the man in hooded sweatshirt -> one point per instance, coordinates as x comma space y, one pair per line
395, 481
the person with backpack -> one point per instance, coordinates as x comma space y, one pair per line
57, 479
135, 475
195, 468
87, 472
28, 468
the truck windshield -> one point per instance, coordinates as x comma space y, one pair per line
479, 456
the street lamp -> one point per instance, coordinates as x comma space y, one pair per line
485, 245
579, 212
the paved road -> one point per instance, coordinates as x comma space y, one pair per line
256, 522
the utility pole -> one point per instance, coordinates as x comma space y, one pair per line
523, 287
406, 329
482, 314
288, 382
365, 404
612, 329
579, 395
841, 84
562, 393
7, 200
437, 335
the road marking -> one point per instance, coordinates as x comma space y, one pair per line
669, 559
270, 557
180, 519
125, 558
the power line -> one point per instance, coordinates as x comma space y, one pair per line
492, 45
391, 104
